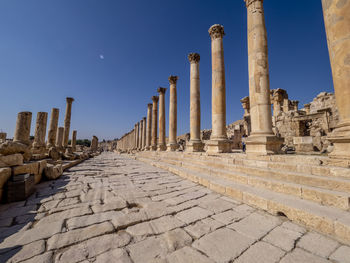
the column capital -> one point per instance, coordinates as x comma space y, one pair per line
144, 118
149, 105
194, 57
249, 2
216, 31
161, 90
155, 98
173, 79
69, 99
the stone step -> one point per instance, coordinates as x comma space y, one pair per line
326, 182
322, 196
327, 220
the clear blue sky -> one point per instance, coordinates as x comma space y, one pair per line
111, 55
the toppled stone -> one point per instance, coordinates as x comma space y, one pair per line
52, 172
11, 160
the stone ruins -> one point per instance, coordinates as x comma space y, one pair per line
197, 197
297, 161
25, 162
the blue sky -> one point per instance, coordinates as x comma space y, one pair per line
111, 55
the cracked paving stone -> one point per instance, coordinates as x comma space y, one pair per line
283, 238
299, 255
193, 214
317, 244
188, 255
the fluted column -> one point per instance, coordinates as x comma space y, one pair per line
172, 145
23, 123
219, 142
67, 118
161, 114
337, 22
154, 122
195, 144
141, 135
261, 140
51, 136
59, 138
144, 133
40, 131
149, 126
74, 141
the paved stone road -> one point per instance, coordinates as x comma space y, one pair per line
114, 209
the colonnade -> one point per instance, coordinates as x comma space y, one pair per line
261, 139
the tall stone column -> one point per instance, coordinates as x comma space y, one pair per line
74, 141
154, 122
218, 142
59, 138
40, 131
161, 114
137, 135
337, 22
144, 134
140, 135
172, 145
261, 140
149, 126
67, 118
22, 132
51, 136
195, 144
94, 144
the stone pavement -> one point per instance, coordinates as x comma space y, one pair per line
115, 209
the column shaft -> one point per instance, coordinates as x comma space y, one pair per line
149, 126
51, 136
67, 121
144, 134
172, 146
59, 138
74, 141
40, 130
154, 122
161, 139
22, 132
337, 22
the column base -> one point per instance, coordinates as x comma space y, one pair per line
154, 148
194, 146
161, 148
340, 138
263, 144
148, 148
172, 147
219, 146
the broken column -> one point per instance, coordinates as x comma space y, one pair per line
144, 134
149, 126
172, 145
337, 22
40, 132
262, 139
94, 144
22, 132
67, 118
59, 138
195, 144
3, 137
51, 136
218, 142
74, 141
161, 114
277, 102
154, 122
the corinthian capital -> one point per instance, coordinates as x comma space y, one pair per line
194, 57
69, 100
155, 99
161, 90
173, 79
216, 31
249, 2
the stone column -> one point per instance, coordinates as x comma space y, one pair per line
295, 104
307, 108
74, 141
172, 145
144, 134
246, 117
154, 122
149, 127
22, 132
3, 137
218, 142
94, 143
337, 22
161, 114
195, 144
135, 137
67, 118
277, 102
262, 139
140, 135
59, 138
51, 136
40, 131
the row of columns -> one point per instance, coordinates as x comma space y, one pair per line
57, 136
258, 105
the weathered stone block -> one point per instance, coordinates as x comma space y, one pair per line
11, 160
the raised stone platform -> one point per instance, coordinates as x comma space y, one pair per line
303, 188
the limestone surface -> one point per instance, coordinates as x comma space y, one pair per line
115, 209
